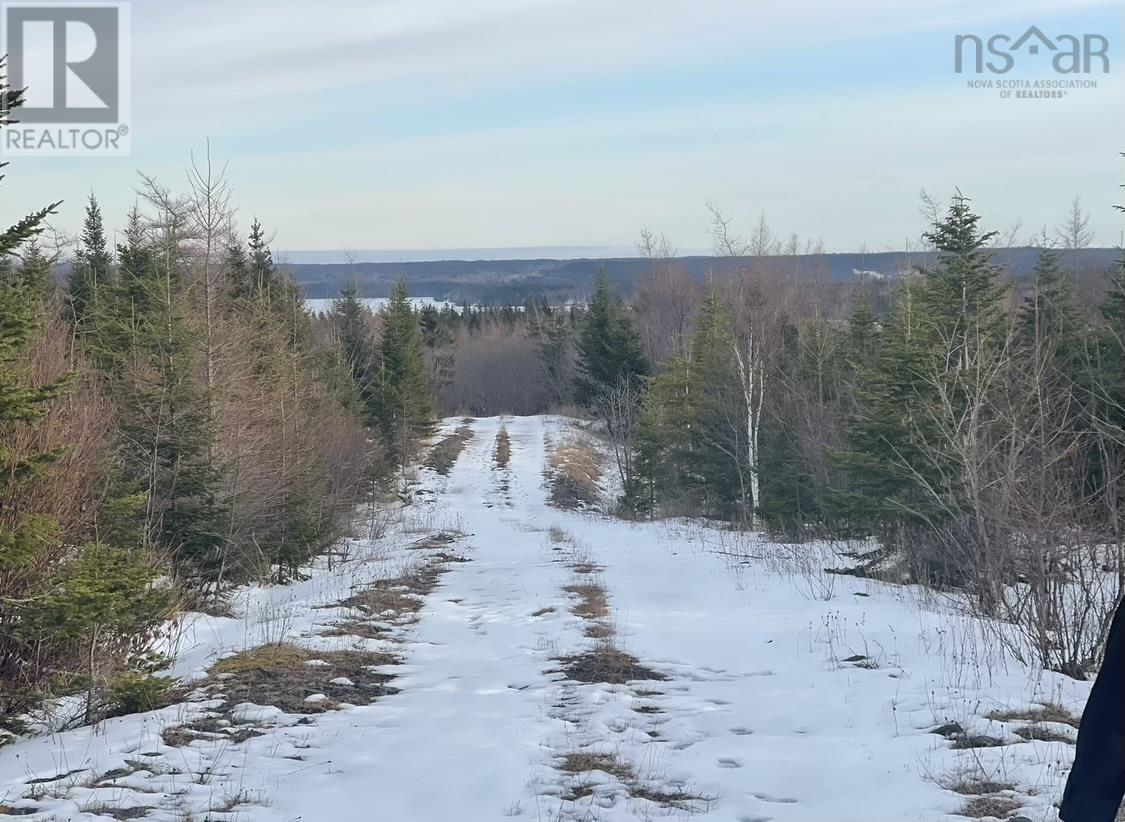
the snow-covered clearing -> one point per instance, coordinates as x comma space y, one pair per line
775, 692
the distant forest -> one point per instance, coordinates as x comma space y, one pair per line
514, 282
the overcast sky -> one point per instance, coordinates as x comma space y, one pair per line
432, 124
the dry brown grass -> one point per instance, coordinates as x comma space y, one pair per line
576, 471
585, 762
210, 728
284, 675
1037, 733
436, 541
1047, 712
400, 597
985, 806
592, 602
599, 630
445, 453
607, 664
503, 453
362, 629
980, 787
676, 798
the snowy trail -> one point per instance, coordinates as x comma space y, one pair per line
468, 722
760, 718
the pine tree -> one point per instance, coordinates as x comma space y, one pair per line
91, 268
609, 348
406, 404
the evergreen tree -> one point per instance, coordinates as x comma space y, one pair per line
882, 442
406, 404
553, 335
242, 284
353, 329
609, 348
438, 343
692, 435
666, 454
35, 270
61, 605
260, 263
91, 268
1050, 316
150, 356
962, 298
790, 489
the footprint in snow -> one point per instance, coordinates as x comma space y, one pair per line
777, 800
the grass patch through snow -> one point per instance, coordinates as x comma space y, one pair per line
448, 449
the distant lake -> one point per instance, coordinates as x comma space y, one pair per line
377, 304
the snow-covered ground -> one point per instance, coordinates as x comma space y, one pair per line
779, 693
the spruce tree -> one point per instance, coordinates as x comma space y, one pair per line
881, 440
357, 345
1050, 316
720, 450
962, 298
406, 404
238, 269
438, 343
609, 348
260, 262
61, 605
91, 268
35, 269
164, 412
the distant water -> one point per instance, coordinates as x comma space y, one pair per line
376, 304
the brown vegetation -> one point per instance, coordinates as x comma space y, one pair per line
503, 452
448, 449
575, 473
607, 664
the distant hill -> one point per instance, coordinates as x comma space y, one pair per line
514, 281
